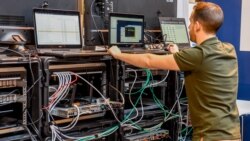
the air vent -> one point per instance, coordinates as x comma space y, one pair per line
12, 20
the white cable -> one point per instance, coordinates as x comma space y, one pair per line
153, 84
54, 88
59, 135
186, 127
187, 120
55, 133
74, 121
63, 91
105, 99
157, 83
142, 115
32, 137
123, 99
170, 112
180, 113
179, 109
64, 81
58, 91
67, 92
130, 100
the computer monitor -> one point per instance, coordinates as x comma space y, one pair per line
126, 30
174, 30
57, 28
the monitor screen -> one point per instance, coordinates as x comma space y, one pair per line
174, 30
57, 28
126, 29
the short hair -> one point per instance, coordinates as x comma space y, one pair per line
210, 15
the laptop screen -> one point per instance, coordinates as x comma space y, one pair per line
174, 30
126, 30
57, 28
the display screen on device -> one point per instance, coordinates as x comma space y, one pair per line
126, 29
57, 28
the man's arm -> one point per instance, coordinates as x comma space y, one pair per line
152, 61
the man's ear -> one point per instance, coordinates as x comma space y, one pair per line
198, 26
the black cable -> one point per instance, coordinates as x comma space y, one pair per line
13, 51
166, 40
26, 108
34, 126
33, 80
30, 134
29, 99
146, 38
154, 39
112, 71
91, 13
33, 122
33, 84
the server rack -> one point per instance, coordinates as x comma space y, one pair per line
20, 88
96, 117
165, 91
106, 72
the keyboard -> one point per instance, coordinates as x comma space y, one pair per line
85, 53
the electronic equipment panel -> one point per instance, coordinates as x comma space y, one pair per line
76, 99
13, 99
97, 106
150, 136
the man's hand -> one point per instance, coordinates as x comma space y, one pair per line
114, 51
173, 48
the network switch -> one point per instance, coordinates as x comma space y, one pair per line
8, 98
11, 98
150, 136
99, 106
12, 77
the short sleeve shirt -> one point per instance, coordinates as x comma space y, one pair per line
211, 82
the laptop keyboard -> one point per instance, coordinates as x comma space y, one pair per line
64, 54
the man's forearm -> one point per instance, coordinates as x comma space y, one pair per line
151, 61
139, 60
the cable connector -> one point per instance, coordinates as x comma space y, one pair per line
51, 123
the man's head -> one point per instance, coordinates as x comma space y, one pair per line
206, 17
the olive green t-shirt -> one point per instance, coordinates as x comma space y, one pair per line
211, 81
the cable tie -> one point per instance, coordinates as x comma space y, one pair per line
96, 135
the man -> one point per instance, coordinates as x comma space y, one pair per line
211, 75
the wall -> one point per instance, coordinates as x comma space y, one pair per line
245, 22
24, 8
230, 32
184, 9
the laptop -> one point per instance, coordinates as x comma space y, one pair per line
126, 31
58, 33
174, 30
